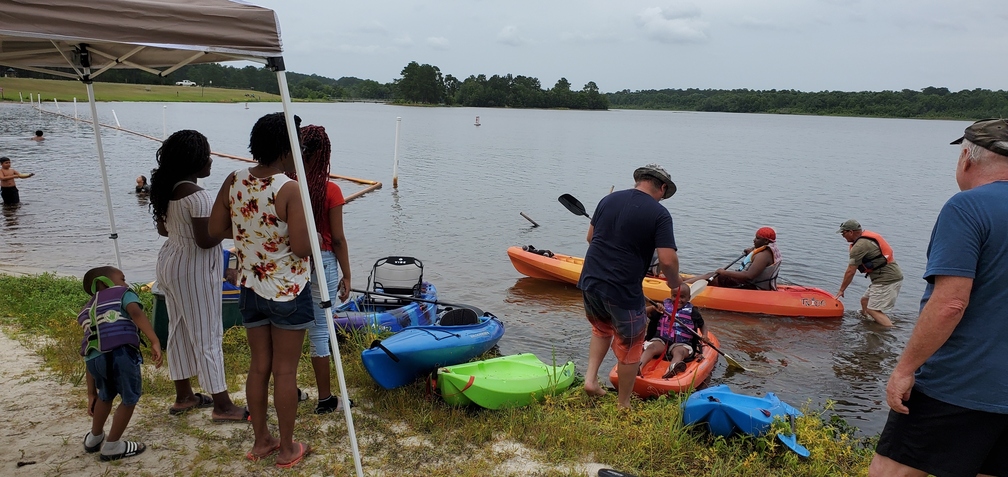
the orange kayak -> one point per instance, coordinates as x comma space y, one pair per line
651, 383
787, 300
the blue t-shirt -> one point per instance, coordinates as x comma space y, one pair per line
970, 239
628, 226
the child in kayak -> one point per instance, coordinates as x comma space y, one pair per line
672, 340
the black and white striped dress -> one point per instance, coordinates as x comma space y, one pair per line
191, 277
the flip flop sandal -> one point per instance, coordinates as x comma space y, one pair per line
94, 448
302, 395
202, 401
132, 449
305, 449
252, 456
246, 416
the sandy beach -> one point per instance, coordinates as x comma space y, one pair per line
45, 422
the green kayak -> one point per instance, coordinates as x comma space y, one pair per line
508, 381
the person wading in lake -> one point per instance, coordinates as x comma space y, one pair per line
626, 230
947, 394
871, 254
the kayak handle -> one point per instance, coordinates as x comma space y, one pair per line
377, 344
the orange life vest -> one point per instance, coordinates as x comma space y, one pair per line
870, 264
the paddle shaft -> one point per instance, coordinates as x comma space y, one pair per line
726, 266
421, 300
731, 361
706, 341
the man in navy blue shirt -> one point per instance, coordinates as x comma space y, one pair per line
949, 391
628, 227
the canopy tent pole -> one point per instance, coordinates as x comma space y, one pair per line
101, 154
276, 64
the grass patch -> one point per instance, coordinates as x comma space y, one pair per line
408, 431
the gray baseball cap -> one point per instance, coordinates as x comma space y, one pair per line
990, 134
849, 225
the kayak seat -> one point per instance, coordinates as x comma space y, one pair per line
458, 316
395, 275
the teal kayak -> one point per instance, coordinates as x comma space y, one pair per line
507, 381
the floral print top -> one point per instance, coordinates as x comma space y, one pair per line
262, 244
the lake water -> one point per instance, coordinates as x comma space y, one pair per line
461, 189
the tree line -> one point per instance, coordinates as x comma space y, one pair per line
930, 102
425, 84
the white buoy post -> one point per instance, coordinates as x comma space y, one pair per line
164, 122
21, 95
75, 107
57, 105
395, 155
117, 119
31, 98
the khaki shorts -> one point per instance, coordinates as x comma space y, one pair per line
882, 297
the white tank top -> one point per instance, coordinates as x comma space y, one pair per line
262, 242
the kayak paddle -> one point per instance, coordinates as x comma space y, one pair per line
731, 361
421, 300
726, 266
573, 205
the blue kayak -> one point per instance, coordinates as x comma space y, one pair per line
458, 336
381, 313
726, 412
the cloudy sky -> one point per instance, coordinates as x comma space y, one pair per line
808, 45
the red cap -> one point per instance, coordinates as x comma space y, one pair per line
767, 233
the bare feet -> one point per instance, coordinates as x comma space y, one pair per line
263, 449
593, 389
234, 414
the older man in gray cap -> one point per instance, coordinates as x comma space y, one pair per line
626, 230
948, 392
871, 255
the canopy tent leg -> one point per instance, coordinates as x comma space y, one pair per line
101, 162
277, 64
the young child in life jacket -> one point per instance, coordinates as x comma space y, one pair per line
671, 339
111, 350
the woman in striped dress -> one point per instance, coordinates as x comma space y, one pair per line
190, 271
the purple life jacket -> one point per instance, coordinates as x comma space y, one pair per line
105, 326
673, 332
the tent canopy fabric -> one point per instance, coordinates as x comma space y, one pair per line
142, 34
157, 36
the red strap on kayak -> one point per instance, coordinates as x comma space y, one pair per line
471, 379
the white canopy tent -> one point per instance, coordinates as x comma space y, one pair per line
158, 37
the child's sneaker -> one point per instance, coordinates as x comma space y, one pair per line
329, 404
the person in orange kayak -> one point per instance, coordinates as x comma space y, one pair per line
672, 341
871, 254
759, 267
626, 229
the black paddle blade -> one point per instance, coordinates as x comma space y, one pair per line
573, 205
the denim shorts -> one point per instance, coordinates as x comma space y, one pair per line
117, 372
295, 314
318, 335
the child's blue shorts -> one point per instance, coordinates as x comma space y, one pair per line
118, 372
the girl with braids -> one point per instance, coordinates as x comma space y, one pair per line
327, 206
189, 271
